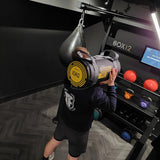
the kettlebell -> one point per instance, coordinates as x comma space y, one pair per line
97, 114
126, 135
145, 101
128, 94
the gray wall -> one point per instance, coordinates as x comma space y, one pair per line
94, 36
136, 10
30, 37
29, 59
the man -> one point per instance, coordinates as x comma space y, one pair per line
77, 112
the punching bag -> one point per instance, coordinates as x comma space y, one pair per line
76, 39
84, 73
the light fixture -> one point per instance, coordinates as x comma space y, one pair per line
155, 16
106, 2
156, 23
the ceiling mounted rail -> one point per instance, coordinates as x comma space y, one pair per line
102, 10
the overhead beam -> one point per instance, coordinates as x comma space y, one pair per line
73, 5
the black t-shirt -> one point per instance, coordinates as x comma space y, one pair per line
79, 105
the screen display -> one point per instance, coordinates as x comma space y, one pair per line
151, 57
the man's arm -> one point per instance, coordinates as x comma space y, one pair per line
106, 100
112, 77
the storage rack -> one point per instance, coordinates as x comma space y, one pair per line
150, 114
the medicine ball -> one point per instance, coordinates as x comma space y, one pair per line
151, 84
130, 75
87, 72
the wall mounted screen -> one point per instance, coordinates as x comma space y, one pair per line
151, 57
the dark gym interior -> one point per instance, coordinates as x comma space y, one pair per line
32, 75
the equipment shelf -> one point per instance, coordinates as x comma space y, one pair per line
129, 124
150, 111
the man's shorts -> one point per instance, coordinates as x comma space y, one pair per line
77, 140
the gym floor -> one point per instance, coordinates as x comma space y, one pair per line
26, 126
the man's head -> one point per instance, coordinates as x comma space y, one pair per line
80, 52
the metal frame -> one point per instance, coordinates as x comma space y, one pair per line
102, 10
138, 150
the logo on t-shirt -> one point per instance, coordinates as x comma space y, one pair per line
69, 99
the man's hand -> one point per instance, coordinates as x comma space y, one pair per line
112, 77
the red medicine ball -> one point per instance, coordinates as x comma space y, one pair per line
130, 75
150, 84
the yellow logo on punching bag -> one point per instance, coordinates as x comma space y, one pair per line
76, 74
104, 71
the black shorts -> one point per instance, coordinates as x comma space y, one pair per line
77, 140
